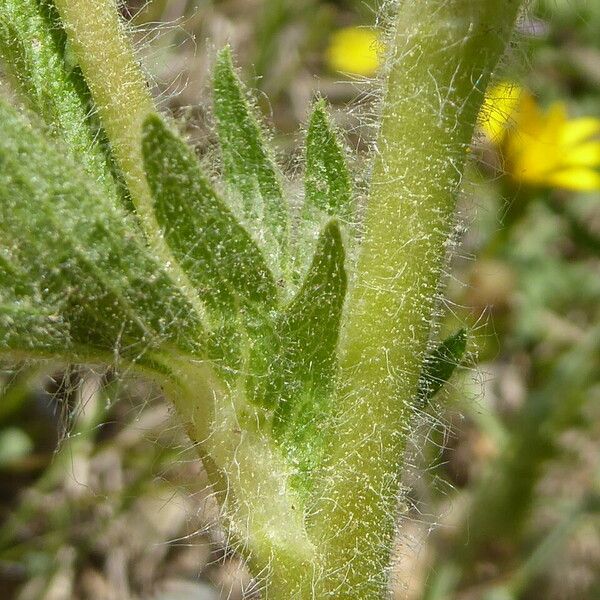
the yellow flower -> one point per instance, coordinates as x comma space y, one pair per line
542, 148
354, 50
501, 101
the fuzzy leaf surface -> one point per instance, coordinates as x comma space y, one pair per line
33, 47
328, 186
249, 170
440, 365
74, 275
295, 365
25, 322
216, 252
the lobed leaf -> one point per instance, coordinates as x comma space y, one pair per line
215, 251
294, 364
249, 171
74, 273
440, 364
328, 186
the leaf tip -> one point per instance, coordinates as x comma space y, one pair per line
224, 61
319, 116
152, 126
459, 339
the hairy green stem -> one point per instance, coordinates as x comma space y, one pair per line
119, 90
441, 60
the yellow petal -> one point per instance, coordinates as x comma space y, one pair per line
545, 148
578, 130
556, 119
354, 50
529, 119
501, 102
583, 155
576, 178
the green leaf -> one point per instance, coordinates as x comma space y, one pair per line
294, 363
440, 364
29, 328
216, 252
27, 323
74, 274
250, 172
33, 47
328, 186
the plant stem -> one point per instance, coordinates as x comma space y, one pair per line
441, 60
119, 89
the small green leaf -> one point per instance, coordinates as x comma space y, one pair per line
74, 274
440, 364
216, 252
327, 180
294, 364
250, 172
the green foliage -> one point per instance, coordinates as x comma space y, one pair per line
328, 186
440, 364
249, 171
308, 332
279, 385
75, 277
215, 251
528, 486
294, 365
34, 49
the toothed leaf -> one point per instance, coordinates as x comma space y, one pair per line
295, 365
440, 365
327, 180
216, 252
250, 172
74, 275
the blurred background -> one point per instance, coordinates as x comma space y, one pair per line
100, 495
